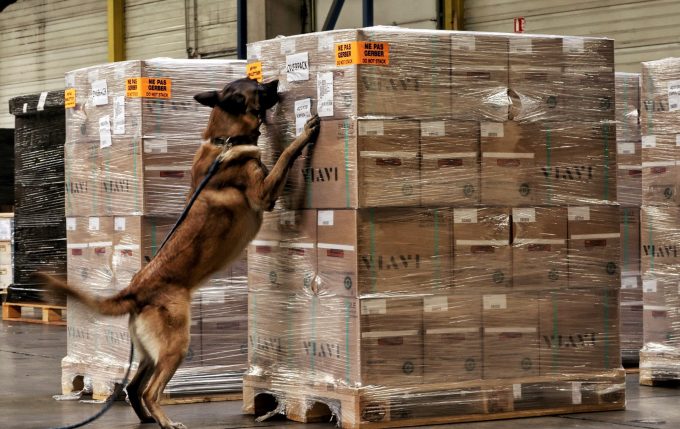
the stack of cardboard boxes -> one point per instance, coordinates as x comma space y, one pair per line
132, 130
6, 250
455, 220
660, 123
629, 192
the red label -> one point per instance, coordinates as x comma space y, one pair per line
172, 174
453, 162
395, 162
482, 249
100, 250
263, 249
296, 251
77, 252
335, 253
659, 170
126, 252
595, 243
510, 335
635, 173
658, 313
391, 341
519, 24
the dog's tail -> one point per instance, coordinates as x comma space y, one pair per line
117, 305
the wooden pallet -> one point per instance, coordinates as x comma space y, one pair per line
50, 314
195, 398
478, 400
659, 378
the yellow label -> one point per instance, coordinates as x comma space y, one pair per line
254, 71
70, 98
352, 53
148, 87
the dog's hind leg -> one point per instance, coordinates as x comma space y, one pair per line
137, 386
165, 368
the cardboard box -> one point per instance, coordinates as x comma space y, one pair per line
81, 177
594, 247
659, 170
329, 341
575, 163
449, 166
507, 164
630, 242
630, 314
6, 276
391, 341
627, 107
224, 340
511, 342
482, 255
629, 173
283, 255
661, 298
383, 250
6, 251
452, 338
658, 97
660, 237
539, 248
479, 77
90, 252
270, 316
579, 331
388, 165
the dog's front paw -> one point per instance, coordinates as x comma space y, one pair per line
312, 127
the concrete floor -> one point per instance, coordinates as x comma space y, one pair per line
30, 374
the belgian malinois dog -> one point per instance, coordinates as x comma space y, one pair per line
225, 217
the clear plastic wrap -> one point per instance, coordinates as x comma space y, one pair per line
39, 234
628, 139
659, 360
450, 248
132, 129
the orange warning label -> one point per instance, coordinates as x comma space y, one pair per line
148, 87
70, 98
254, 71
352, 53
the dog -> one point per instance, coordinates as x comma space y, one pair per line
225, 217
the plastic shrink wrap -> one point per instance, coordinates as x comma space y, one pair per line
132, 129
449, 249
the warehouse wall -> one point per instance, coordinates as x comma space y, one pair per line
643, 30
41, 39
404, 13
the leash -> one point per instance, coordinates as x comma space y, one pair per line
119, 388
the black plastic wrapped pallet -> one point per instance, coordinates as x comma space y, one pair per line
40, 232
6, 169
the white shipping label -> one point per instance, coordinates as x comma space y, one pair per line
119, 115
649, 285
517, 391
433, 128
119, 224
625, 148
673, 95
297, 67
648, 142
324, 94
25, 108
572, 45
373, 306
5, 229
463, 43
93, 224
326, 43
520, 45
629, 282
104, 132
435, 303
495, 302
155, 146
100, 95
576, 397
677, 139
303, 111
287, 46
492, 129
464, 215
325, 218
41, 101
70, 224
578, 213
371, 128
70, 80
522, 215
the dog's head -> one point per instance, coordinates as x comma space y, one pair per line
240, 108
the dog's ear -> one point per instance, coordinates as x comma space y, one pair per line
234, 103
270, 96
208, 98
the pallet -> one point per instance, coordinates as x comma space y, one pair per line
50, 314
659, 378
195, 398
479, 400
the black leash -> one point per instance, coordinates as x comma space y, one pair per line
119, 388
